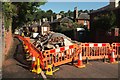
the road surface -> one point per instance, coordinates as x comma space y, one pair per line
96, 69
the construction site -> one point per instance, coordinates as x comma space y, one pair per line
54, 55
68, 47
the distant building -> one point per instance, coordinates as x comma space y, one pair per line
97, 35
82, 18
114, 3
45, 28
45, 19
58, 16
58, 22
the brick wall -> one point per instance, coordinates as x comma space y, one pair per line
8, 40
79, 21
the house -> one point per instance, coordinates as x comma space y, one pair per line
101, 35
45, 28
66, 21
82, 18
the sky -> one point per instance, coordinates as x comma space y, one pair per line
65, 6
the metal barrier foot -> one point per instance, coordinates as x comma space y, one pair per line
87, 60
34, 70
50, 71
114, 62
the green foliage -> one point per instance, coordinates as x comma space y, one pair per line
76, 25
64, 27
112, 19
19, 12
70, 13
8, 11
105, 21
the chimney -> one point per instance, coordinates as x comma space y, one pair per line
40, 21
51, 18
75, 13
114, 3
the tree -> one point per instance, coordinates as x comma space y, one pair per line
26, 12
9, 10
62, 13
105, 21
112, 19
85, 11
80, 11
49, 13
19, 13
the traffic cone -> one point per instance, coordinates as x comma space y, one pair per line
38, 66
112, 59
80, 63
33, 64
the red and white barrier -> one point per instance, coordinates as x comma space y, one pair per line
95, 44
61, 49
117, 44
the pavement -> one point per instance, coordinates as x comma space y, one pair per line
15, 67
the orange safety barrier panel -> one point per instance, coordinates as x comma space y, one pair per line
116, 46
32, 50
53, 57
59, 56
95, 50
66, 54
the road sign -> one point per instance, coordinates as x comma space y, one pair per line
116, 31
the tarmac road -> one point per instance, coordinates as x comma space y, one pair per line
96, 69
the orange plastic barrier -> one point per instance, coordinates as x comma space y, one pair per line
66, 54
95, 50
116, 46
59, 56
34, 52
54, 57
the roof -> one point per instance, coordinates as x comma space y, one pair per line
66, 20
57, 20
101, 9
83, 16
63, 20
46, 24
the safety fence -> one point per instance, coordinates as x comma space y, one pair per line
116, 46
60, 55
95, 50
34, 52
66, 54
